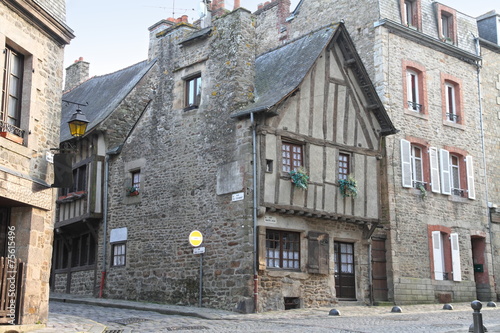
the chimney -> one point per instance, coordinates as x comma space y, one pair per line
184, 18
218, 8
76, 74
236, 4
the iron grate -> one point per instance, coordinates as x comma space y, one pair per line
113, 331
128, 321
180, 328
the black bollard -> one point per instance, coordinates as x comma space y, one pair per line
477, 326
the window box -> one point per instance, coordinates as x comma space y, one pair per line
348, 187
12, 137
132, 191
299, 178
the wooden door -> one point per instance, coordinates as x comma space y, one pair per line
345, 280
379, 270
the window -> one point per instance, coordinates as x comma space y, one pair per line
344, 165
10, 109
292, 156
446, 23
414, 91
445, 253
118, 254
410, 13
79, 180
455, 175
193, 92
414, 164
282, 249
451, 106
61, 252
83, 251
136, 179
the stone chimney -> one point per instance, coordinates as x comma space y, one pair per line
76, 74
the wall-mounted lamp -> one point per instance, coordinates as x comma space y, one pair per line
78, 123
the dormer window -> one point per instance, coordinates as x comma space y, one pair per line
447, 25
410, 13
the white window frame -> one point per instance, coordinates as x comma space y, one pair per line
406, 172
438, 255
471, 188
455, 171
445, 171
413, 91
455, 257
434, 163
445, 25
410, 13
451, 108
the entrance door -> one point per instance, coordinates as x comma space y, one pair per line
345, 282
481, 275
379, 274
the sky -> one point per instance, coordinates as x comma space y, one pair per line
113, 34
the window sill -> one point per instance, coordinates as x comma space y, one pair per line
417, 114
454, 125
278, 272
190, 108
12, 137
73, 196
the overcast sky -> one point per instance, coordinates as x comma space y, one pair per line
113, 34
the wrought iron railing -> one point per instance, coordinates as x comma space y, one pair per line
458, 192
6, 127
415, 106
452, 117
419, 184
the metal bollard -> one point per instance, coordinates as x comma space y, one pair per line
477, 326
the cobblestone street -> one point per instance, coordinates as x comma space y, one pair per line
123, 317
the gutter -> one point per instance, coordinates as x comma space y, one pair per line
254, 210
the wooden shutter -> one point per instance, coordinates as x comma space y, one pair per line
434, 162
261, 239
318, 253
437, 255
471, 189
445, 171
455, 257
406, 163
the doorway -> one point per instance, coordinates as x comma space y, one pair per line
379, 270
345, 279
480, 268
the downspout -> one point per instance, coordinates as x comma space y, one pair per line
104, 224
488, 214
255, 208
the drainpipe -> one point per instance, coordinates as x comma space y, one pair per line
488, 214
255, 208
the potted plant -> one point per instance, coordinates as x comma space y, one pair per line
423, 191
299, 178
132, 191
348, 187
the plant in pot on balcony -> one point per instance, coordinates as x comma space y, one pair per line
132, 191
299, 178
348, 187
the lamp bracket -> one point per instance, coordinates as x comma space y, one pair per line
75, 103
66, 147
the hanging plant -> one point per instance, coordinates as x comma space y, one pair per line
348, 187
132, 191
423, 191
299, 178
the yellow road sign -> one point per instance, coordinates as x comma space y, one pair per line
195, 238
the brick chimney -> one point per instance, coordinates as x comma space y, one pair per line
236, 4
218, 8
76, 74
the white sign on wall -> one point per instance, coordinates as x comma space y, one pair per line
238, 196
118, 235
270, 219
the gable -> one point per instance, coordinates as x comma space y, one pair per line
330, 105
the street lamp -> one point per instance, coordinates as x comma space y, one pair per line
78, 123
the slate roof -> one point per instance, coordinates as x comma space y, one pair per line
103, 95
280, 71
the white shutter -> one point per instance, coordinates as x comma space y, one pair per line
455, 257
437, 254
435, 181
445, 171
470, 178
406, 163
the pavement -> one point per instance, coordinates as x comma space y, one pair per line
83, 314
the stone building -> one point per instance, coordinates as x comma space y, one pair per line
115, 102
33, 35
421, 56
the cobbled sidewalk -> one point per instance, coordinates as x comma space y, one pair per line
70, 313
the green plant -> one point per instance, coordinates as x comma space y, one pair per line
348, 187
132, 190
423, 191
299, 178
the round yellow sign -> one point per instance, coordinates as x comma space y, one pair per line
195, 238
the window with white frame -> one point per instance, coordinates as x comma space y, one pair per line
193, 91
445, 255
451, 102
410, 9
291, 156
413, 90
118, 254
344, 165
455, 175
412, 161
